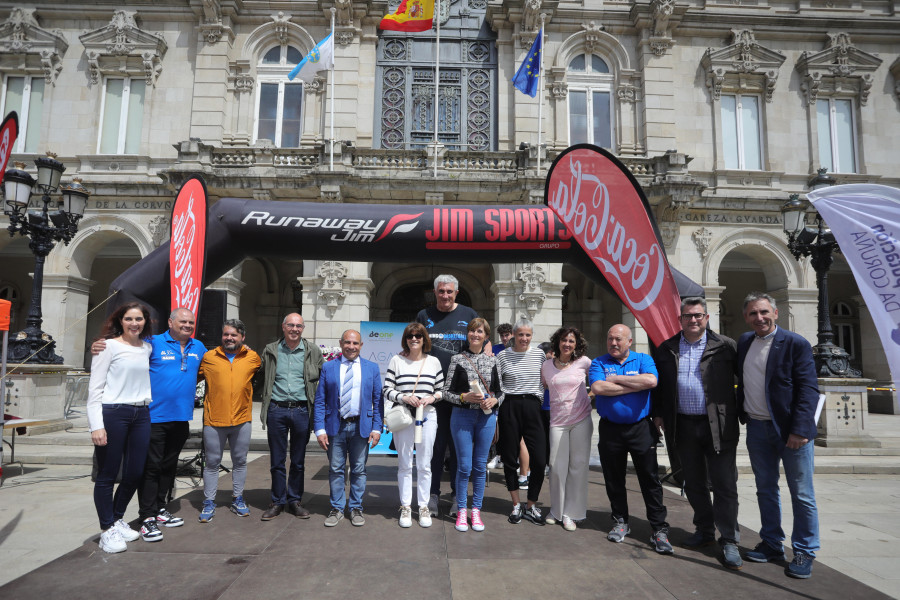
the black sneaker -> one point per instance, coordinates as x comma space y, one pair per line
150, 531
533, 514
516, 515
168, 519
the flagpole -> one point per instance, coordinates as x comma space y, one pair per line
333, 11
437, 80
540, 97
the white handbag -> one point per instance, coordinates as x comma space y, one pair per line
398, 416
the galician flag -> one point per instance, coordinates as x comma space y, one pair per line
411, 15
320, 58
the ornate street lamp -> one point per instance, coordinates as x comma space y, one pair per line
817, 242
51, 220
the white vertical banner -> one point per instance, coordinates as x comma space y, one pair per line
865, 221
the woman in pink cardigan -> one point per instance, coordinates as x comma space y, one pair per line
571, 428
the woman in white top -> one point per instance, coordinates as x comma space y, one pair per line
119, 418
565, 377
415, 379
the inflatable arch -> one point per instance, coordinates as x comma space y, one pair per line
240, 228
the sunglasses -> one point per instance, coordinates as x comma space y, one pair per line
417, 336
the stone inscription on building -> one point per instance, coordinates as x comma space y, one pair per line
131, 204
733, 218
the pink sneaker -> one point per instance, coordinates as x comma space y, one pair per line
461, 524
477, 524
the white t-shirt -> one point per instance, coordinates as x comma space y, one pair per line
119, 375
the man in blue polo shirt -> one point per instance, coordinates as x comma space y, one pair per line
621, 381
174, 363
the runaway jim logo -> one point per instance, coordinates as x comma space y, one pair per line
462, 228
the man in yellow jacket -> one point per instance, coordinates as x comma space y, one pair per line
229, 370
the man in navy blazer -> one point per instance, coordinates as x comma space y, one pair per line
347, 418
778, 393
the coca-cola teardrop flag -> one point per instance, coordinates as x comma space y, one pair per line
9, 131
187, 246
603, 207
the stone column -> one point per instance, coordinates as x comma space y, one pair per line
336, 297
68, 296
798, 311
211, 75
714, 305
232, 285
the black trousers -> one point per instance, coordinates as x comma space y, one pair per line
166, 443
521, 419
701, 463
616, 443
443, 440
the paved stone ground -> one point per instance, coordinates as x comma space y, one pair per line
48, 547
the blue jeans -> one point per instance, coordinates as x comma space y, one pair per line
347, 445
767, 450
281, 424
473, 432
127, 437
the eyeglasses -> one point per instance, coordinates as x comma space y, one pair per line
693, 316
294, 326
417, 336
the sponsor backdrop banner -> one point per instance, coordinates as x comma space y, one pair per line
865, 221
381, 342
9, 131
239, 228
187, 247
604, 209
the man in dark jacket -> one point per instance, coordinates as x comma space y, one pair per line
695, 404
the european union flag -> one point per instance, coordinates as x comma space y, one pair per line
526, 78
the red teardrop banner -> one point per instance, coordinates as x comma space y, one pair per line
603, 207
187, 248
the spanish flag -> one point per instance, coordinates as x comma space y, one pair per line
411, 15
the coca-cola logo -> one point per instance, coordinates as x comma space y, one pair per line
598, 202
8, 134
186, 249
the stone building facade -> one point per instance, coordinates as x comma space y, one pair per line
720, 108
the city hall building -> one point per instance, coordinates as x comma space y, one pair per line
720, 109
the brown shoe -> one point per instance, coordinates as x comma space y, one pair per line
297, 510
273, 511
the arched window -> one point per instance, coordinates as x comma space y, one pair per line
590, 101
279, 102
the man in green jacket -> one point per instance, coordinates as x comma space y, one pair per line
290, 373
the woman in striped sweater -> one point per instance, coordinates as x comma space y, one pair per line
415, 379
520, 418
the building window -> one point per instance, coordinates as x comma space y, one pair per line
25, 95
590, 101
279, 111
741, 132
836, 133
123, 115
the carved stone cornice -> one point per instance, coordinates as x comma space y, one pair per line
627, 93
702, 238
240, 80
330, 193
212, 27
344, 36
343, 13
531, 18
123, 48
841, 68
743, 66
159, 230
532, 276
592, 33
21, 34
672, 189
331, 287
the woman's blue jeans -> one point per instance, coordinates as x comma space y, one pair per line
473, 432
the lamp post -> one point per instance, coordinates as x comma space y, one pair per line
817, 242
51, 220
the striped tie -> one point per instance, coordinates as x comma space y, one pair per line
347, 390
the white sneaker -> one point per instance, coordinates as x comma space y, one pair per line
568, 524
494, 462
405, 516
128, 534
453, 507
424, 516
111, 541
